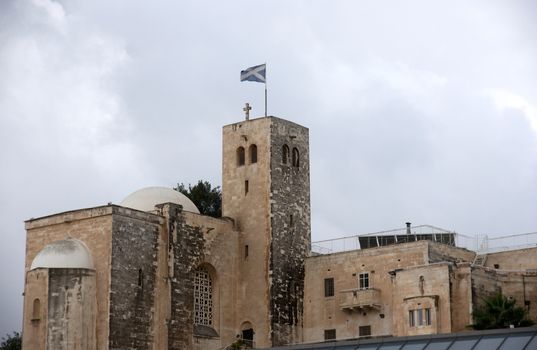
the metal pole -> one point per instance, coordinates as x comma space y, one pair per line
265, 97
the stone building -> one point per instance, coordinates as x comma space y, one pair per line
153, 273
413, 288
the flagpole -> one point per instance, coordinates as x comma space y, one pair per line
265, 90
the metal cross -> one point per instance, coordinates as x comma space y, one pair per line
246, 110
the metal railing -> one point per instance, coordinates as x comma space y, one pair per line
481, 243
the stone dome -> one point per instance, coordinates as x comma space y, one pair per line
146, 199
67, 253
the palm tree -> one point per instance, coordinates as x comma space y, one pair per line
498, 311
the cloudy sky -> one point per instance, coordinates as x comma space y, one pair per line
418, 111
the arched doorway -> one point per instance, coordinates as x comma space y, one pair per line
247, 333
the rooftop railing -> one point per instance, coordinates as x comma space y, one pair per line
481, 243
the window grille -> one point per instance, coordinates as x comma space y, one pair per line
329, 334
364, 331
328, 287
203, 298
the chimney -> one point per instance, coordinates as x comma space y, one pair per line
408, 228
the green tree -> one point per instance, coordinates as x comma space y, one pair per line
208, 199
498, 311
11, 342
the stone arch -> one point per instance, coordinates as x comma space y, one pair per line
253, 153
285, 154
247, 333
240, 156
296, 157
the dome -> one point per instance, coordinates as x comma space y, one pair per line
67, 253
146, 199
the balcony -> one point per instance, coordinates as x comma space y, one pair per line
358, 299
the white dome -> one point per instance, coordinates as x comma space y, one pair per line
146, 199
67, 253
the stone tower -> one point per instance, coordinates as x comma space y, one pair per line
265, 188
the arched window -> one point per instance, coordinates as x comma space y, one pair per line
36, 310
285, 154
203, 297
296, 157
240, 156
253, 154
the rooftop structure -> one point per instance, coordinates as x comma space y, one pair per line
480, 243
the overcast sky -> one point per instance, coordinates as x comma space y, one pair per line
418, 111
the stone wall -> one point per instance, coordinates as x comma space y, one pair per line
246, 199
133, 279
71, 309
35, 310
290, 229
324, 313
419, 288
461, 296
220, 256
522, 260
522, 286
439, 252
186, 249
94, 228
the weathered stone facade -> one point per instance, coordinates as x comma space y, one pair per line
145, 262
186, 247
268, 197
165, 277
438, 281
133, 275
290, 228
71, 309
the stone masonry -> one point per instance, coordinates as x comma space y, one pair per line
153, 275
133, 279
290, 228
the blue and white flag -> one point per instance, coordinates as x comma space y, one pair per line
257, 73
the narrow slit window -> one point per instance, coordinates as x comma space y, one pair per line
296, 157
246, 251
285, 154
253, 154
246, 187
140, 278
240, 156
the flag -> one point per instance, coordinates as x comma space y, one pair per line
256, 73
